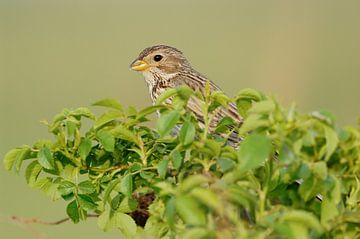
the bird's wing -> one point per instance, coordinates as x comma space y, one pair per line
197, 82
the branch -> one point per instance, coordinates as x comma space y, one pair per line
37, 221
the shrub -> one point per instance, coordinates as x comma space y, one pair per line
150, 181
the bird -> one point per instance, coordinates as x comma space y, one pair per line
164, 67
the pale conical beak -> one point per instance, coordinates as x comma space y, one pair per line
139, 65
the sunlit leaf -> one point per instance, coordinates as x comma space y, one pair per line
86, 187
66, 187
122, 132
331, 141
167, 122
208, 197
85, 148
107, 140
126, 185
45, 158
189, 210
73, 211
125, 224
305, 218
177, 159
193, 181
15, 156
262, 107
106, 118
32, 172
187, 133
110, 103
162, 167
127, 205
253, 152
86, 202
165, 95
83, 111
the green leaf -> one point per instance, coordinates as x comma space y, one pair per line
86, 187
125, 223
320, 169
250, 94
110, 187
165, 95
66, 188
184, 92
331, 141
263, 107
71, 127
49, 187
199, 233
16, 156
32, 172
253, 152
224, 124
104, 221
108, 221
107, 140
86, 202
73, 211
122, 132
110, 103
225, 164
192, 181
220, 97
189, 210
298, 230
149, 110
243, 106
85, 148
115, 201
127, 205
329, 211
208, 198
45, 158
187, 133
213, 146
70, 172
304, 218
83, 111
170, 211
167, 121
162, 168
324, 116
309, 188
177, 159
106, 118
252, 122
126, 185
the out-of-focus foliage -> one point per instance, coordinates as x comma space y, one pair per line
201, 186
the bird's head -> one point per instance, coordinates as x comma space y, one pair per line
160, 59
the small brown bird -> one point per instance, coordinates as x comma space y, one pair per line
165, 67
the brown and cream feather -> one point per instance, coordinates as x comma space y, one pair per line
165, 67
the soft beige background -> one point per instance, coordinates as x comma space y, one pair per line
68, 53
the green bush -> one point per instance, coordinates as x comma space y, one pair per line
150, 181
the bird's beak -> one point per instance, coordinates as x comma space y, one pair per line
139, 65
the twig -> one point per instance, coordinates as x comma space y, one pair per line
37, 221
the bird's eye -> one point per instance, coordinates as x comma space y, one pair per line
158, 57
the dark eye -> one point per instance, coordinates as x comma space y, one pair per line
158, 57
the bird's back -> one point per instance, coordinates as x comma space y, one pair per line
197, 83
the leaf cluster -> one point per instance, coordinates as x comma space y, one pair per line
202, 186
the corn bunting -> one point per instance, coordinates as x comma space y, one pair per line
165, 67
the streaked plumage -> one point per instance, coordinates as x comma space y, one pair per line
165, 67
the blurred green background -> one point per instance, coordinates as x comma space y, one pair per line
56, 54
